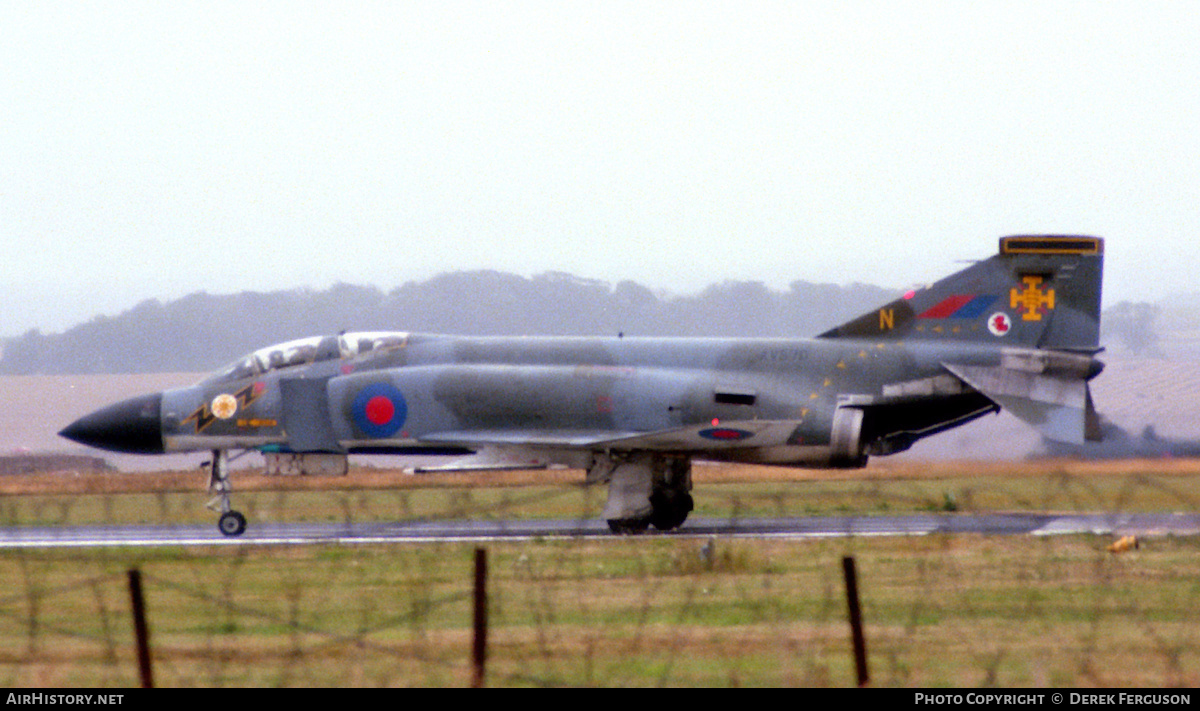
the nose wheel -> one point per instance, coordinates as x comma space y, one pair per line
231, 523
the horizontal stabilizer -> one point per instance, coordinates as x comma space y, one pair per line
1056, 404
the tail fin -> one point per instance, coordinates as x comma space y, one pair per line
1038, 300
1039, 291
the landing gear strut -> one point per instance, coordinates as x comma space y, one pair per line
231, 523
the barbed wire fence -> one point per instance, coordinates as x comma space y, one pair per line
657, 610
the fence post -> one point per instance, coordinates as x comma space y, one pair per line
141, 632
479, 651
856, 631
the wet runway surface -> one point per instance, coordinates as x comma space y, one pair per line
1140, 524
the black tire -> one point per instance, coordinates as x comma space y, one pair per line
232, 523
670, 510
628, 526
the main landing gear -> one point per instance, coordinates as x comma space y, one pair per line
644, 490
231, 523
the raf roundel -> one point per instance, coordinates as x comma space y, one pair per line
379, 410
725, 434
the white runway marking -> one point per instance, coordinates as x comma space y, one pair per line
479, 531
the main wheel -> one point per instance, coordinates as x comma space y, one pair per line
671, 509
232, 523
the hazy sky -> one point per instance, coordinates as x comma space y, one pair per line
150, 150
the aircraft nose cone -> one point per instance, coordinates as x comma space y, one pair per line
132, 426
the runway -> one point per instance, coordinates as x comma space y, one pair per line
1116, 524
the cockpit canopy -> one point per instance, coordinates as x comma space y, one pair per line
304, 351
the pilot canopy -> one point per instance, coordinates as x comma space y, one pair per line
304, 351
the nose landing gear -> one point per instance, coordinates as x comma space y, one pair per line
231, 523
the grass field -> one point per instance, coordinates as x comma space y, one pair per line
627, 611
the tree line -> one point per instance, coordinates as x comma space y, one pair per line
203, 331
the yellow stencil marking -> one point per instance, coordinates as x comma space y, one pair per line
1031, 298
887, 319
257, 422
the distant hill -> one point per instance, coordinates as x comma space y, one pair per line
201, 331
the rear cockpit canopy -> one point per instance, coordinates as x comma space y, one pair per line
304, 351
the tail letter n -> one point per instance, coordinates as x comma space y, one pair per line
887, 319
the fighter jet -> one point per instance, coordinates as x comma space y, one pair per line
1017, 331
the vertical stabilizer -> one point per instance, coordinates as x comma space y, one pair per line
1038, 291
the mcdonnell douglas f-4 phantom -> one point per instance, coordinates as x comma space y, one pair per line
1018, 331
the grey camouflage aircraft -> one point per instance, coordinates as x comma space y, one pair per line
1018, 331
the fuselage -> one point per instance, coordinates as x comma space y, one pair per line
769, 400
